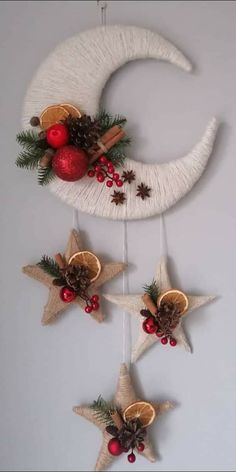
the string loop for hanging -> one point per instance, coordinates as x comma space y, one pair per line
103, 7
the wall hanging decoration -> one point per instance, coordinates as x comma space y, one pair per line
72, 138
124, 422
73, 278
159, 311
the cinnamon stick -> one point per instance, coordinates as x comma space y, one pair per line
110, 133
149, 304
96, 154
117, 420
60, 260
45, 160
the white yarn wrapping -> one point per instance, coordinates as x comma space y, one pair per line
76, 72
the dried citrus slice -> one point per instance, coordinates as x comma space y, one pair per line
89, 260
72, 110
176, 297
51, 115
144, 411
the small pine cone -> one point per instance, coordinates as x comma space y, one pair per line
76, 277
84, 132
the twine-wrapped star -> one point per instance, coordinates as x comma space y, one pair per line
125, 395
55, 304
133, 304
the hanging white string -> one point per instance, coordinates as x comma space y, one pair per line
126, 329
163, 237
103, 7
76, 219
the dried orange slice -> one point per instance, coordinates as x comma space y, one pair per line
72, 110
51, 115
89, 260
144, 411
176, 297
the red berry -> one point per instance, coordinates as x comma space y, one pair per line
57, 135
173, 342
67, 294
141, 447
159, 334
149, 325
110, 168
164, 340
109, 183
95, 306
132, 457
103, 160
91, 173
125, 449
119, 183
95, 298
97, 168
88, 309
116, 176
70, 163
100, 177
114, 447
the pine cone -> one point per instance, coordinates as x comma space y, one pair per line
84, 132
76, 277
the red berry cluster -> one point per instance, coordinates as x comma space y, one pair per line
115, 448
104, 170
150, 326
92, 304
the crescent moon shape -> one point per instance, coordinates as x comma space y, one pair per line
76, 72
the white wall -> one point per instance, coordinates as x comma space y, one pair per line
47, 370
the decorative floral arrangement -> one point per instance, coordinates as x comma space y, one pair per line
127, 428
70, 145
163, 312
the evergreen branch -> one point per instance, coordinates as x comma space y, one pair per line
103, 410
28, 139
107, 121
50, 266
152, 290
29, 159
117, 153
45, 175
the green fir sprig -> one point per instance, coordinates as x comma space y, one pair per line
45, 175
107, 121
152, 290
103, 410
117, 154
50, 266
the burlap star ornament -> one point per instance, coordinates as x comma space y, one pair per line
125, 395
55, 305
133, 304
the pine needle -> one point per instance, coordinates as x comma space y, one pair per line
107, 121
103, 410
50, 266
45, 175
30, 158
152, 290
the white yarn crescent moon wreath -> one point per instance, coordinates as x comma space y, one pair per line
76, 72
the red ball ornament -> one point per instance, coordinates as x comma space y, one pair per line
164, 340
132, 458
67, 294
141, 447
70, 163
173, 342
114, 447
149, 325
57, 135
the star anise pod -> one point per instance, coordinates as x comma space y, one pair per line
118, 197
128, 176
143, 191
